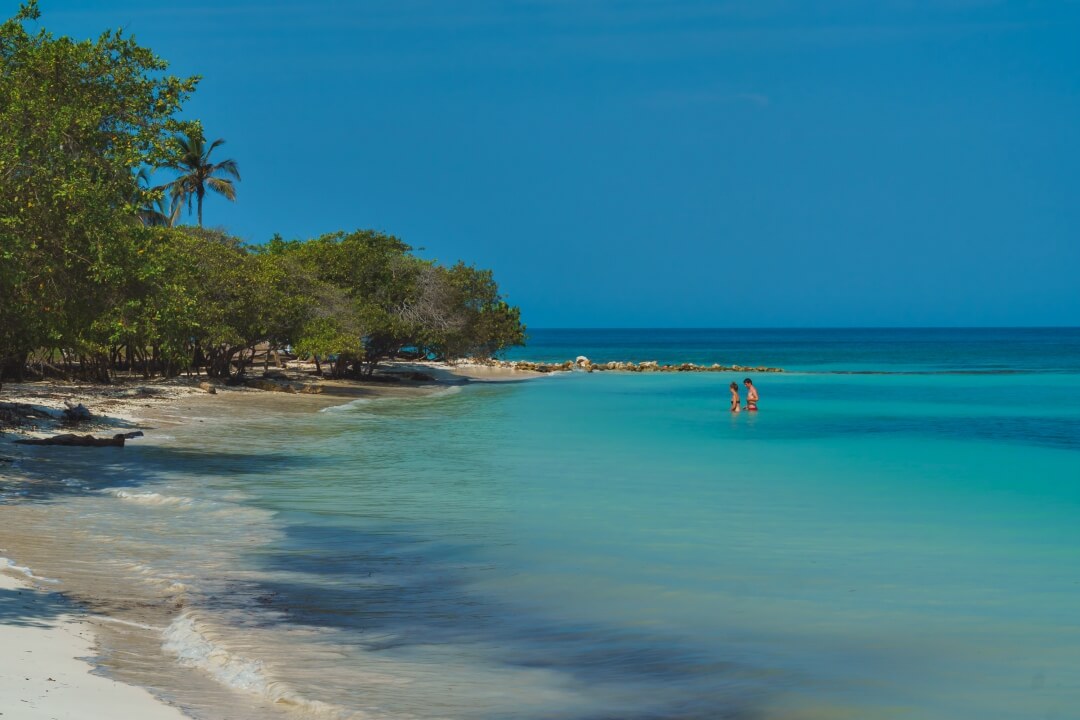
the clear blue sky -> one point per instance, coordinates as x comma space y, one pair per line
660, 163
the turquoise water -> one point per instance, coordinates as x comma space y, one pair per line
593, 546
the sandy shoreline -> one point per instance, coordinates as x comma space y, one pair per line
47, 640
42, 640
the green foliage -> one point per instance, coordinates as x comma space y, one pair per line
190, 157
488, 322
92, 271
75, 118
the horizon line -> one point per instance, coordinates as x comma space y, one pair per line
805, 327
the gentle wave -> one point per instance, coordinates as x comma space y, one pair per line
127, 623
8, 564
150, 498
188, 640
360, 402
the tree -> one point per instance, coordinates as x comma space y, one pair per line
197, 173
155, 209
473, 319
94, 279
76, 118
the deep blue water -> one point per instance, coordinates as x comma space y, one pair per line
600, 546
848, 349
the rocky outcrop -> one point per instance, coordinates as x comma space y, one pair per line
274, 385
647, 366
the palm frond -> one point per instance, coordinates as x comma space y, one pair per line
223, 187
191, 160
227, 167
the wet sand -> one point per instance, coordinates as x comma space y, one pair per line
52, 635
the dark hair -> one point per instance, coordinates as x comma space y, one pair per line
734, 386
748, 381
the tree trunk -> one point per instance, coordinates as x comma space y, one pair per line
14, 367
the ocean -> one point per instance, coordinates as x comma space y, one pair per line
893, 535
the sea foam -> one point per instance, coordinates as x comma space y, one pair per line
149, 498
189, 641
8, 564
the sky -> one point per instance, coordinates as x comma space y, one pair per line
658, 163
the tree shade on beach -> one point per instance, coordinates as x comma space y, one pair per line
94, 279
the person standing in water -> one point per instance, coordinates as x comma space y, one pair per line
751, 395
735, 398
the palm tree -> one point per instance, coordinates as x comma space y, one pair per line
158, 212
197, 173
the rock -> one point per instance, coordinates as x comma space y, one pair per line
209, 388
269, 385
75, 414
582, 361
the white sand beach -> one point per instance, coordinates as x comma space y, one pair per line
43, 640
47, 642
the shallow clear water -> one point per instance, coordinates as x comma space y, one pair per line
616, 546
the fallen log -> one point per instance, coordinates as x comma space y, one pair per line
70, 440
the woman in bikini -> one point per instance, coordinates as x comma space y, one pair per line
735, 398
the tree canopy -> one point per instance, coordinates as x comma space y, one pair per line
93, 276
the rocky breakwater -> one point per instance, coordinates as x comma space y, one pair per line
648, 366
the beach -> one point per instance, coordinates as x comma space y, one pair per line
539, 361
892, 536
42, 674
49, 641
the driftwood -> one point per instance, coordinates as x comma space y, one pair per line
70, 440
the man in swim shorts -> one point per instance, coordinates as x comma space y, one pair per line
751, 395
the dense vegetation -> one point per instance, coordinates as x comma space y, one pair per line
95, 278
